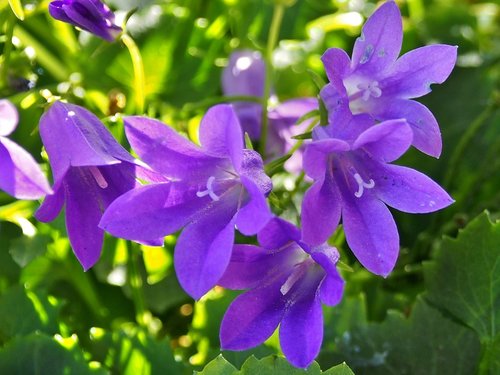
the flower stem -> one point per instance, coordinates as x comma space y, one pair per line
135, 282
138, 66
279, 10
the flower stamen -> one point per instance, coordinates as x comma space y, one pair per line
210, 192
362, 185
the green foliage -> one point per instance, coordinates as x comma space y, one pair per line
272, 365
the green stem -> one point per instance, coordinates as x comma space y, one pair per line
466, 139
138, 66
135, 282
9, 33
279, 10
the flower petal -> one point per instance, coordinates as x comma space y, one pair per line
316, 155
337, 64
204, 247
255, 214
380, 42
151, 211
371, 232
245, 74
252, 318
220, 134
51, 206
83, 213
252, 266
426, 133
332, 289
386, 141
320, 211
20, 175
415, 71
8, 117
408, 190
166, 151
334, 95
277, 233
301, 330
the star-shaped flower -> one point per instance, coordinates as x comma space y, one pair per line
20, 175
376, 82
212, 188
353, 179
90, 171
288, 280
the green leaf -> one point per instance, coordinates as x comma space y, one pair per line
307, 135
41, 354
464, 280
17, 8
218, 366
24, 311
25, 249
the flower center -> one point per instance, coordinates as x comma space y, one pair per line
210, 190
362, 185
360, 90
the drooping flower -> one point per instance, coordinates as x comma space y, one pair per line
20, 175
90, 15
245, 75
353, 178
90, 171
212, 188
288, 280
376, 82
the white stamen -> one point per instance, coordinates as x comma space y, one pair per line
290, 282
98, 177
362, 185
370, 89
210, 192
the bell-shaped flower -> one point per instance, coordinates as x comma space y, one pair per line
245, 75
20, 175
288, 280
376, 82
89, 15
90, 171
349, 163
213, 188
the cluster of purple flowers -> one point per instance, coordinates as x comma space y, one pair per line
207, 191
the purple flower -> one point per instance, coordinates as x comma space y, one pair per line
245, 75
90, 171
20, 175
377, 83
213, 188
288, 279
353, 178
90, 15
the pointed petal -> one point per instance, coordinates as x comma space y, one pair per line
255, 214
301, 330
252, 266
51, 206
277, 233
8, 117
407, 190
326, 256
83, 213
386, 141
204, 247
20, 175
336, 62
331, 289
320, 211
252, 168
316, 155
416, 70
75, 137
166, 151
371, 232
252, 318
334, 95
220, 134
151, 211
380, 42
426, 133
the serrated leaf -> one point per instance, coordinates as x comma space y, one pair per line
218, 366
41, 354
464, 279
